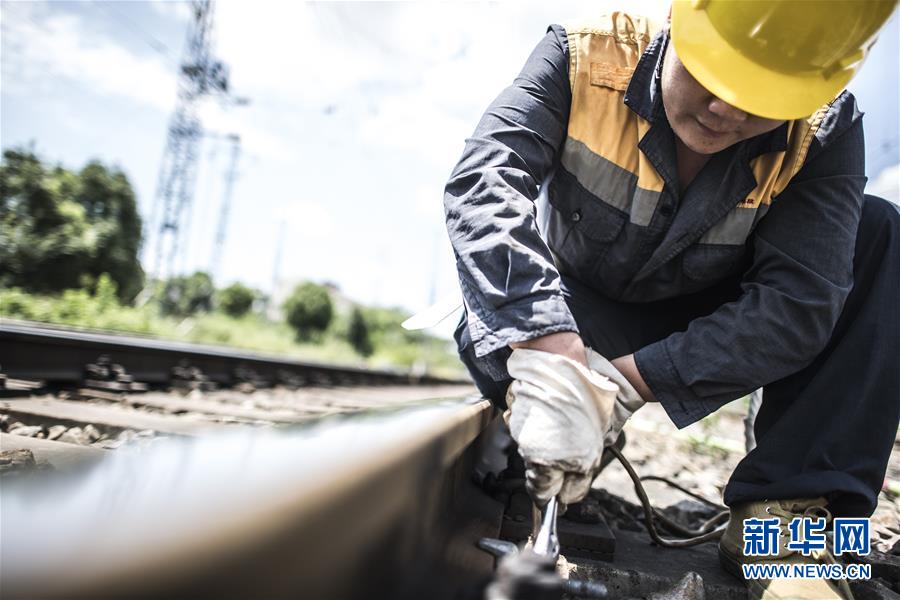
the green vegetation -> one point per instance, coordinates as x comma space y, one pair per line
358, 333
187, 295
309, 310
61, 230
69, 246
236, 300
392, 345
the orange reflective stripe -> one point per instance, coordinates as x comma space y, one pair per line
602, 130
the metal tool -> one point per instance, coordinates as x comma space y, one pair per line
545, 542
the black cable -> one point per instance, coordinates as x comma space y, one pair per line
671, 483
650, 512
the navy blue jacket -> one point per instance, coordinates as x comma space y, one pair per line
796, 261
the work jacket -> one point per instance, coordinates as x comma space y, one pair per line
584, 122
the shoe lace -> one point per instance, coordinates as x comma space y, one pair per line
822, 556
785, 516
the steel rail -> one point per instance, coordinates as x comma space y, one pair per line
58, 356
377, 505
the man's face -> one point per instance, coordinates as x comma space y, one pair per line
702, 121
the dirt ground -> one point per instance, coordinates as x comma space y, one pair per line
702, 456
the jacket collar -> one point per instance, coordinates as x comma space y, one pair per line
644, 97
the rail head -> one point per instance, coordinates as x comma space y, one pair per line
31, 350
259, 511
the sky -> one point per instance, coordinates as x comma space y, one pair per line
357, 114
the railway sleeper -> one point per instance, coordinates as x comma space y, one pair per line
104, 374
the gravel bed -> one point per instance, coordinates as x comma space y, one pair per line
700, 458
87, 435
16, 463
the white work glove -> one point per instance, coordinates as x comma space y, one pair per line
627, 398
558, 413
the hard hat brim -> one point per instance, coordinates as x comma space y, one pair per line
741, 82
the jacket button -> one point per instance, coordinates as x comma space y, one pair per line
665, 210
576, 215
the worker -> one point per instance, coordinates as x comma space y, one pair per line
705, 233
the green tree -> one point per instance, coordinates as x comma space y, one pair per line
309, 310
187, 295
236, 300
105, 292
45, 237
109, 202
385, 327
358, 333
61, 230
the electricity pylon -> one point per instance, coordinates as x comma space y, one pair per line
225, 210
200, 75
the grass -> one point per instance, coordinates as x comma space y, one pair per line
394, 348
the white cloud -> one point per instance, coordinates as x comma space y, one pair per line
308, 220
172, 9
256, 140
40, 46
886, 184
358, 113
43, 48
293, 51
405, 76
428, 201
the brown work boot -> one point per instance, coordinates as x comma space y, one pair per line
731, 552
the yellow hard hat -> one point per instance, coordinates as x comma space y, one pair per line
781, 59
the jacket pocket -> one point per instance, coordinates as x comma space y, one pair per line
582, 230
709, 263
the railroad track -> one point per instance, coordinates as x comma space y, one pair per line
266, 476
60, 357
289, 479
370, 506
63, 388
275, 486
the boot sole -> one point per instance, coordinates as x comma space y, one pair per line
731, 566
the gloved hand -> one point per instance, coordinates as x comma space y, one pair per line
558, 413
627, 398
